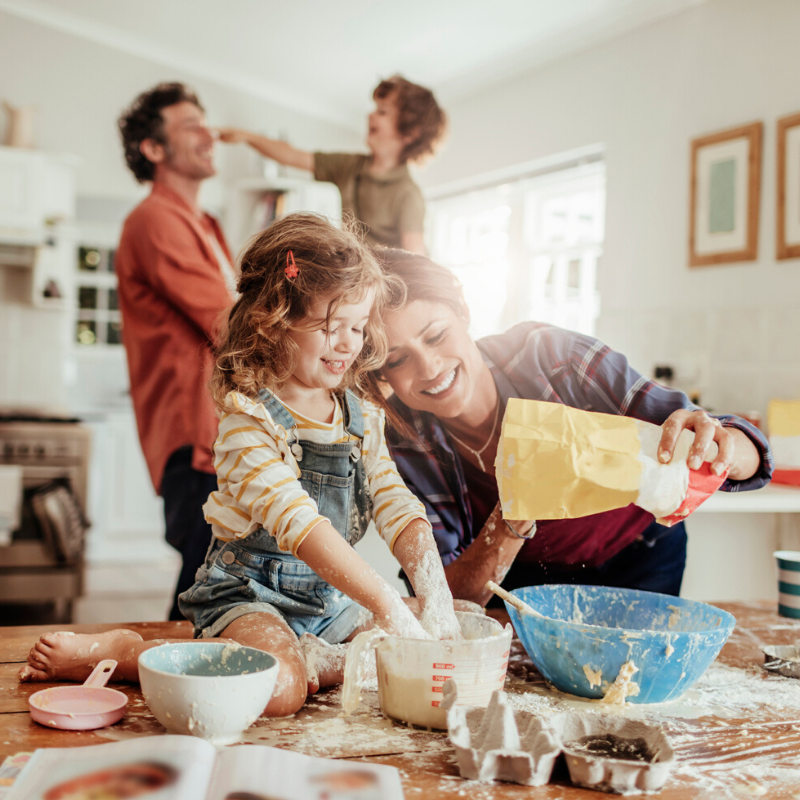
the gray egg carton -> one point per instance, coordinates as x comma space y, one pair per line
614, 754
498, 743
602, 752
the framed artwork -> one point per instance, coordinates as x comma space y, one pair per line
788, 207
724, 198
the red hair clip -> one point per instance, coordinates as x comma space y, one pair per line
291, 270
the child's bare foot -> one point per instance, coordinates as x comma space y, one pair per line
67, 656
324, 662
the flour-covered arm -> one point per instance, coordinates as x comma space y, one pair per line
401, 519
335, 561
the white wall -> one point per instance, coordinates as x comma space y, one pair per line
733, 331
79, 89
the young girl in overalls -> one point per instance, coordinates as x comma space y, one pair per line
302, 469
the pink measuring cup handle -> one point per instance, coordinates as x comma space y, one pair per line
102, 673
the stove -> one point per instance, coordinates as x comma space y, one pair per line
53, 453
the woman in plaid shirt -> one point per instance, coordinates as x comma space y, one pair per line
449, 395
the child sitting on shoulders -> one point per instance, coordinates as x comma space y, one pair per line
406, 126
302, 468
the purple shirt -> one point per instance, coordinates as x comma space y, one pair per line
536, 361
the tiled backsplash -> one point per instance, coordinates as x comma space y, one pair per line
33, 349
737, 358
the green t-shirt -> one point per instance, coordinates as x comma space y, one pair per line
388, 205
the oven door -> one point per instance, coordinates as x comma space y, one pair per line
28, 548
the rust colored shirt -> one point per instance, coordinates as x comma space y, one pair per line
172, 295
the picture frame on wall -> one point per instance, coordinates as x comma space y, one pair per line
788, 183
724, 196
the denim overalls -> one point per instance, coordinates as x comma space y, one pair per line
251, 574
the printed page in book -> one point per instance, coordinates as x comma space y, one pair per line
168, 767
253, 772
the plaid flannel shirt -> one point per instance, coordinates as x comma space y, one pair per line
536, 361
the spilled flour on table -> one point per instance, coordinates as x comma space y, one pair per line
731, 714
724, 718
364, 733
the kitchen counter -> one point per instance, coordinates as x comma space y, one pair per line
732, 537
772, 499
736, 734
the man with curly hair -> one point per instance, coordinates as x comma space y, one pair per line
175, 281
377, 189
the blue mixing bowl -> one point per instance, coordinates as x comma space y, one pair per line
589, 629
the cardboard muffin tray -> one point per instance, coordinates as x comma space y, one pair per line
602, 752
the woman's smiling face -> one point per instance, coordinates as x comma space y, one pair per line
433, 362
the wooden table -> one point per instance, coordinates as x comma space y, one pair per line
749, 749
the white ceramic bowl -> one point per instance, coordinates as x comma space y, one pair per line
207, 689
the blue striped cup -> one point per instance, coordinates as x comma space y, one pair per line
788, 583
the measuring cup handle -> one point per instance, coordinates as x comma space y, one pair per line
355, 666
102, 673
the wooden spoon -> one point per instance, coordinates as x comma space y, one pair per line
520, 605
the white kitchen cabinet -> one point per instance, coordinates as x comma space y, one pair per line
127, 515
38, 188
37, 212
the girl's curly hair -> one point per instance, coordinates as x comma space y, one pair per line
418, 115
255, 350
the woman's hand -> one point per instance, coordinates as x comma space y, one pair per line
736, 451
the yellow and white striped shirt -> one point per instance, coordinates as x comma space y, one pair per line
258, 477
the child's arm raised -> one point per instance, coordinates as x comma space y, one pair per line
279, 151
335, 561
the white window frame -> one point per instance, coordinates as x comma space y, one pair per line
525, 276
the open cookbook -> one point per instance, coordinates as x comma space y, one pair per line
187, 768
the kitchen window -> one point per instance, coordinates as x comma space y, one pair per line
526, 246
98, 321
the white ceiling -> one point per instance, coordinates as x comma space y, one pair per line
323, 57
